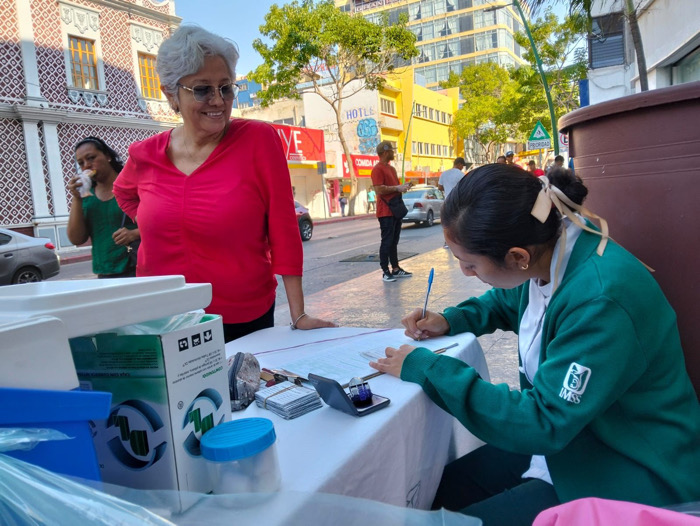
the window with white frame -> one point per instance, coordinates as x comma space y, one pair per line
145, 42
150, 83
83, 64
387, 106
80, 28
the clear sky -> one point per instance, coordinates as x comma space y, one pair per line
237, 20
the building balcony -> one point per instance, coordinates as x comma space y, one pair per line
390, 123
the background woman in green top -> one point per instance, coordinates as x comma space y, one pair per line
98, 216
606, 408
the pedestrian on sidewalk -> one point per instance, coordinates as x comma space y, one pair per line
95, 214
188, 219
386, 184
451, 178
532, 169
371, 201
606, 408
343, 203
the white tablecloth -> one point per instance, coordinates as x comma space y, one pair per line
395, 455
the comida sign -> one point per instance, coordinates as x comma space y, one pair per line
539, 138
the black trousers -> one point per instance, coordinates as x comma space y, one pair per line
487, 483
233, 331
390, 228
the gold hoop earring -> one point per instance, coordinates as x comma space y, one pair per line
525, 267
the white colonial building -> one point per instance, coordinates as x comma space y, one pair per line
71, 69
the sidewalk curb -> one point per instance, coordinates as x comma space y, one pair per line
75, 256
330, 220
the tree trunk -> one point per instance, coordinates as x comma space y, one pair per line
348, 158
631, 13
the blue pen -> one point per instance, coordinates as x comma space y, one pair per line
427, 294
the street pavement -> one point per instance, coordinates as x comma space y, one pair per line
367, 301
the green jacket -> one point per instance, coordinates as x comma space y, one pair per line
611, 408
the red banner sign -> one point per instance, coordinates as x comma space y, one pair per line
301, 144
363, 165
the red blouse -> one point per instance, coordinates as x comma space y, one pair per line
230, 223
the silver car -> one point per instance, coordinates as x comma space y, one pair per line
24, 259
423, 203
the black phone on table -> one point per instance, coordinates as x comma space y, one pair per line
335, 396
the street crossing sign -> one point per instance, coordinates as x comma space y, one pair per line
539, 133
539, 138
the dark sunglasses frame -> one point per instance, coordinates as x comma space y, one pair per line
205, 92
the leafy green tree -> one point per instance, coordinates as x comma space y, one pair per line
490, 100
336, 53
501, 105
564, 59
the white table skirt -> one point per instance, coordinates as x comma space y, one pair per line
395, 455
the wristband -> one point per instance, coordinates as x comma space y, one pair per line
293, 325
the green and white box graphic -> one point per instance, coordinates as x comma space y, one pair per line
167, 390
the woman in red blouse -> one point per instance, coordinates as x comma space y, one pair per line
213, 197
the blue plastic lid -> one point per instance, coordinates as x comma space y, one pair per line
238, 439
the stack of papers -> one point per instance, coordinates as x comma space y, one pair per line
288, 400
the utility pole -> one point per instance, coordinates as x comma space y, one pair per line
555, 132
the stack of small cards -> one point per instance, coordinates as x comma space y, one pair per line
288, 400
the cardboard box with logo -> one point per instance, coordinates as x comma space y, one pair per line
169, 385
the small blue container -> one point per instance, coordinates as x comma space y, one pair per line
242, 456
64, 411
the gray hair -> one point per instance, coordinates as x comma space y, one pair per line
184, 52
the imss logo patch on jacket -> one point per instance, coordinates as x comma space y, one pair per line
575, 383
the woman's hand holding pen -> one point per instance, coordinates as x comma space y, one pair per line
418, 328
421, 328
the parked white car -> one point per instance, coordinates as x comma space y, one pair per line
424, 204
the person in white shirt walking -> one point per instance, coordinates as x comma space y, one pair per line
449, 179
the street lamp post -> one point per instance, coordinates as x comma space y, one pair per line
555, 132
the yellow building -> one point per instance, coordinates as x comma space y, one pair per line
417, 120
451, 34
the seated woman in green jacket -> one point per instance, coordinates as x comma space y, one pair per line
606, 407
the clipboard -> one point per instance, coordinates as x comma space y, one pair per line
335, 396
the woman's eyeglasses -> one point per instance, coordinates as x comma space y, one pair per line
204, 93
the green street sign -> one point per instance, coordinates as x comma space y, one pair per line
539, 133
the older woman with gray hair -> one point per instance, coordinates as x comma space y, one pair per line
214, 196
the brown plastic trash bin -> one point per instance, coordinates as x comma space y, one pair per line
640, 158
